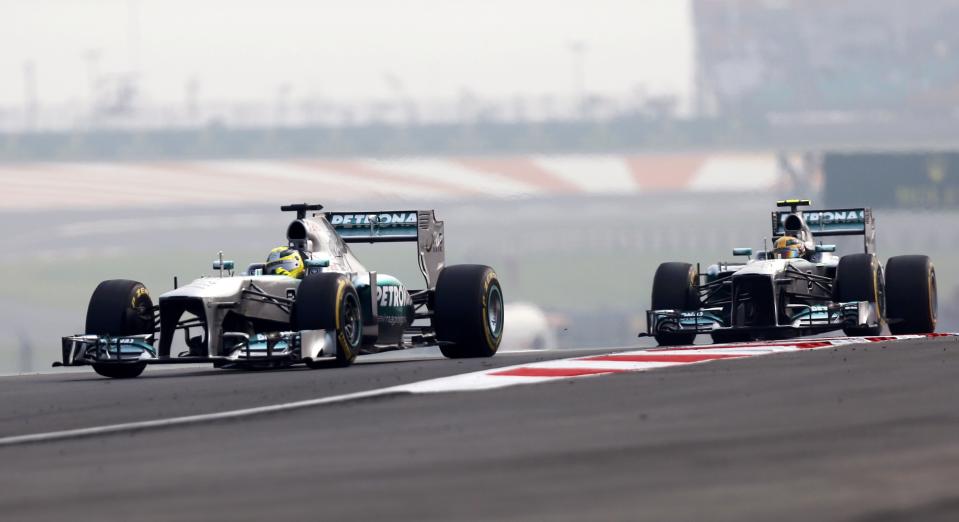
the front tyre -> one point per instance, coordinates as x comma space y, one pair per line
120, 307
912, 295
468, 311
859, 278
674, 288
119, 370
328, 301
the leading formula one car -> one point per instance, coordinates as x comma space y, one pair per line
798, 288
312, 302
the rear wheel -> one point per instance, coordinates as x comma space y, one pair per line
912, 295
674, 288
468, 311
120, 307
859, 278
328, 301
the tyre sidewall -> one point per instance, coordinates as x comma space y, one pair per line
461, 311
912, 294
120, 307
320, 305
674, 287
859, 277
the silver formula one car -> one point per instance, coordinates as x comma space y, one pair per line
798, 288
324, 310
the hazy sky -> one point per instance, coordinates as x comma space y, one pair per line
244, 50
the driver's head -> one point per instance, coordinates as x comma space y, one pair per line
788, 247
286, 261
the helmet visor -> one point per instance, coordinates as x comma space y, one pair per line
786, 253
287, 265
276, 255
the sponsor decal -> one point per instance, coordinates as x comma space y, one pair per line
291, 293
140, 291
821, 218
393, 320
838, 221
837, 217
393, 296
435, 242
381, 219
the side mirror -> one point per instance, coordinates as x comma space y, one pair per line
742, 251
226, 264
316, 265
825, 248
322, 262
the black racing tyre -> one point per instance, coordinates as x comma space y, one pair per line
911, 296
468, 311
859, 277
120, 370
328, 301
120, 307
674, 288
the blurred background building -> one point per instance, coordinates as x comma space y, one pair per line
571, 146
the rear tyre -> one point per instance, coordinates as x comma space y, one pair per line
120, 307
859, 278
328, 301
912, 297
468, 311
674, 288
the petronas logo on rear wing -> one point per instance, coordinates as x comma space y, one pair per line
375, 226
833, 222
389, 218
420, 226
836, 222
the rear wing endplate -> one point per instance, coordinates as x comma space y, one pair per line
420, 226
833, 222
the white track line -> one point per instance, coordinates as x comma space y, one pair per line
191, 419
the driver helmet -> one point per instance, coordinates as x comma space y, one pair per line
788, 247
286, 261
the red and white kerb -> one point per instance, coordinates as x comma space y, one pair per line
632, 361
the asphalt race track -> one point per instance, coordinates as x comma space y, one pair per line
866, 433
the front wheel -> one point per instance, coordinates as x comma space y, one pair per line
120, 307
674, 288
119, 370
859, 278
328, 301
468, 311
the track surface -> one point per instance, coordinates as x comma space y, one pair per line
866, 433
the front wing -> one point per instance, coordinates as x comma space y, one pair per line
805, 319
280, 348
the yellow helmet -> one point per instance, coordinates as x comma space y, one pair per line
284, 261
788, 247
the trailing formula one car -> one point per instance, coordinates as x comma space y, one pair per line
311, 302
798, 288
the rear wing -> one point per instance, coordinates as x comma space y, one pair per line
420, 226
833, 222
